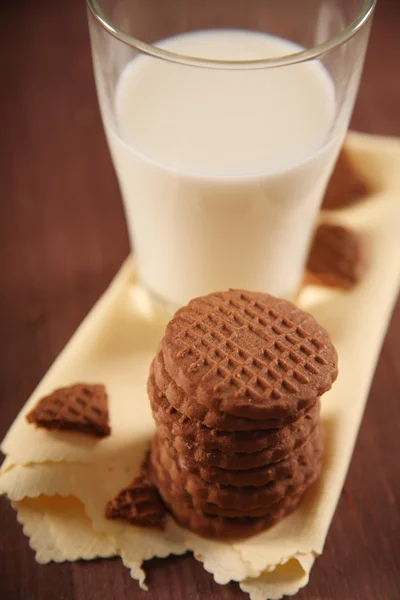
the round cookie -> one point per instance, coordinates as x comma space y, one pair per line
249, 355
337, 257
347, 184
243, 460
243, 509
214, 419
225, 527
278, 482
194, 433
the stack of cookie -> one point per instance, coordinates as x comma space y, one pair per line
234, 390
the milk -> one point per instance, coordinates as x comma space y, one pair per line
222, 171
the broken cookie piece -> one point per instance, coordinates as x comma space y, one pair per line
80, 407
337, 257
139, 504
346, 185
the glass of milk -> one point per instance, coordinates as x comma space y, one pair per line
224, 119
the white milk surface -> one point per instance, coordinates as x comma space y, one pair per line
222, 171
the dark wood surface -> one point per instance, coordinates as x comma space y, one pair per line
62, 237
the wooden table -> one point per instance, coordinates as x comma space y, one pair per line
63, 236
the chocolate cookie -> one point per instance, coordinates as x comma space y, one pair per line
139, 503
249, 355
272, 496
346, 185
235, 392
81, 407
240, 461
336, 258
225, 527
201, 475
209, 417
278, 441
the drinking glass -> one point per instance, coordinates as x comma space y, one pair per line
224, 120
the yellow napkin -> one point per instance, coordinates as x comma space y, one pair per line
59, 482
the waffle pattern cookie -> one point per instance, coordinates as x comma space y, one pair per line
249, 355
138, 504
234, 390
80, 407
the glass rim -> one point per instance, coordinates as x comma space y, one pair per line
289, 59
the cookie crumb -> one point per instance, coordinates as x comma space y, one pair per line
139, 504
